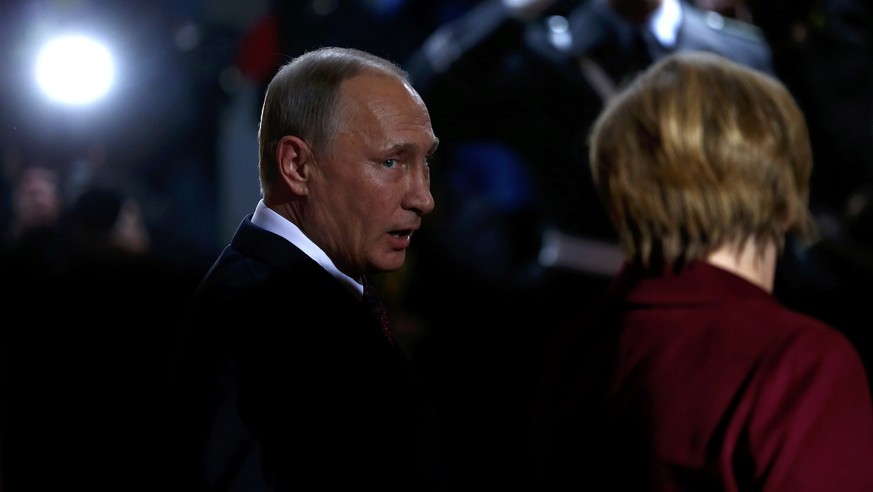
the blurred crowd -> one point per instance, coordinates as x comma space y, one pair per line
90, 328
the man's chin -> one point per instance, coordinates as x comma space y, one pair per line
390, 261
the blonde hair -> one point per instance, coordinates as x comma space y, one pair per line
699, 152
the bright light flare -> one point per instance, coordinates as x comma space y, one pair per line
75, 70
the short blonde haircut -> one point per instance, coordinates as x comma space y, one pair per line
700, 152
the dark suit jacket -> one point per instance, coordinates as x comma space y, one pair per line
285, 381
702, 381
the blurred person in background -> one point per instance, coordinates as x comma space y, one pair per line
33, 241
103, 221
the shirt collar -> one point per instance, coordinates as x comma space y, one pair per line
267, 218
665, 21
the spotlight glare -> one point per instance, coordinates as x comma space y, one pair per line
74, 70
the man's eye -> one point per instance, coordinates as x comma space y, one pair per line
390, 163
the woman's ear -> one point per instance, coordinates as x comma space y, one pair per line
294, 157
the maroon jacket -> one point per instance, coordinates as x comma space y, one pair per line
702, 381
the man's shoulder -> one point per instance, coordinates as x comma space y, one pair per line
737, 40
715, 24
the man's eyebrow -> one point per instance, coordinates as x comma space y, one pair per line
409, 148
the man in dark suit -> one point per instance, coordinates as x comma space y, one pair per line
286, 378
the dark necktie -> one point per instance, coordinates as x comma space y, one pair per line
377, 307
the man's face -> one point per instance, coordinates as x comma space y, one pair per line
37, 198
368, 196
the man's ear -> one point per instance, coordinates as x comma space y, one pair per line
294, 157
